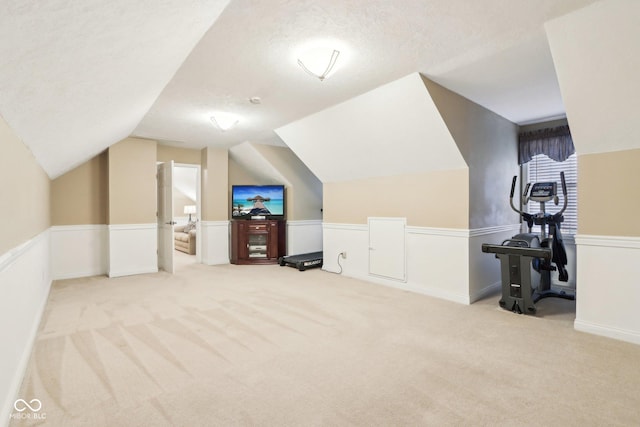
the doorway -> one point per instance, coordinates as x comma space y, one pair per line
179, 208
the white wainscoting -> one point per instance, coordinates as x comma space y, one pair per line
215, 242
25, 281
350, 238
304, 237
79, 251
608, 286
444, 263
132, 249
438, 262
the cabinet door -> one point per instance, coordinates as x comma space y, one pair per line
243, 250
273, 240
257, 245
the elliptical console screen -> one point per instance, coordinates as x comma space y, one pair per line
543, 191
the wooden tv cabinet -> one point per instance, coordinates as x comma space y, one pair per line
258, 241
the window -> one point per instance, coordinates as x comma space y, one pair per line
542, 169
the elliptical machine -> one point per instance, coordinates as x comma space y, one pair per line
527, 259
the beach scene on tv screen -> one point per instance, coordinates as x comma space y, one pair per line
258, 200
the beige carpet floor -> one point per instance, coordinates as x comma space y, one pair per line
271, 346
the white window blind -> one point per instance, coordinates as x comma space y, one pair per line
542, 169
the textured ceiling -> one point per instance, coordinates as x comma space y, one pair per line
76, 77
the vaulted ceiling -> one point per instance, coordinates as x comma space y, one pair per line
77, 77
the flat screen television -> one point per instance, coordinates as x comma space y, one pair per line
249, 201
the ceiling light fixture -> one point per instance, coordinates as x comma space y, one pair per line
224, 121
319, 61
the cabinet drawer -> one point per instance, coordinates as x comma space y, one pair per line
257, 227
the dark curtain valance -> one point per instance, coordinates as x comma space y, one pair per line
556, 143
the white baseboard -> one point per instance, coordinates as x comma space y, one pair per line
422, 289
25, 282
133, 249
607, 331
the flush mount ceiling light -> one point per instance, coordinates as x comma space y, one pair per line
319, 61
224, 121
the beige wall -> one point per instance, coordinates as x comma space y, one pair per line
304, 194
180, 200
132, 182
24, 198
189, 156
489, 145
608, 202
215, 184
429, 199
238, 175
80, 196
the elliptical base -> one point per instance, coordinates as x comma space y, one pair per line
553, 294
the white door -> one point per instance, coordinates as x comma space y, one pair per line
165, 216
199, 244
387, 247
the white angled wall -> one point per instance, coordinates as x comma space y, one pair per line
608, 286
304, 237
215, 242
25, 280
133, 249
79, 251
409, 115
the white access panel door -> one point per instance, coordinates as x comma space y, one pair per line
165, 217
387, 249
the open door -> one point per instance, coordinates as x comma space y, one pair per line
165, 217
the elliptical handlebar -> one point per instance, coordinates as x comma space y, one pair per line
513, 185
564, 193
513, 189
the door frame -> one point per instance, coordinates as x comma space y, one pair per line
198, 208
